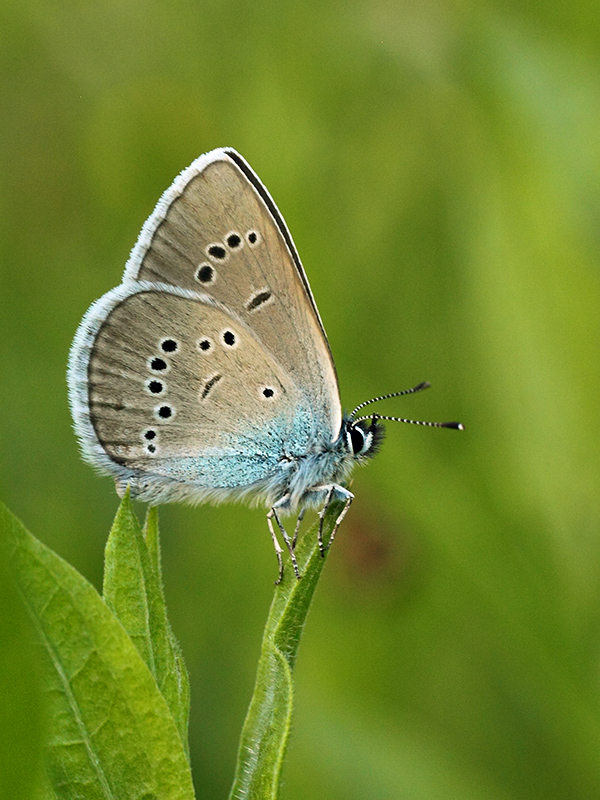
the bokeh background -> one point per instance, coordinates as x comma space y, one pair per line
438, 164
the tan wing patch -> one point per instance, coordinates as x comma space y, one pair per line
219, 237
173, 377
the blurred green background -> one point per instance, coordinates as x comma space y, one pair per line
438, 165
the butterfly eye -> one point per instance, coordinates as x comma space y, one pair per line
358, 440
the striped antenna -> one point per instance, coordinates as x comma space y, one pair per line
419, 388
458, 426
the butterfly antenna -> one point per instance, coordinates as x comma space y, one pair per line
419, 388
458, 426
374, 417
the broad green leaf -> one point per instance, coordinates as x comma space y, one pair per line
133, 591
112, 734
46, 791
20, 695
266, 729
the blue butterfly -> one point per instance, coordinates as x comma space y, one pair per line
206, 375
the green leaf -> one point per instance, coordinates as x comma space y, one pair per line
20, 695
112, 733
266, 729
134, 593
175, 682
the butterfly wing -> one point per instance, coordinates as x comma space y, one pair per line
180, 399
218, 231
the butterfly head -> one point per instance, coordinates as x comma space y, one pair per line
363, 438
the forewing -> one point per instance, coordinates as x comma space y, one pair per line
217, 230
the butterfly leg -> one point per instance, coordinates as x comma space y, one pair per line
340, 494
277, 546
297, 528
289, 544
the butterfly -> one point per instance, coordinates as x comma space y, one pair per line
206, 375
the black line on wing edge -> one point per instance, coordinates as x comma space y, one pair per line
266, 197
269, 202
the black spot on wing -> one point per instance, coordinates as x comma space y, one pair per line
258, 300
209, 385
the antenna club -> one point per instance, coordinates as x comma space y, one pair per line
458, 426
